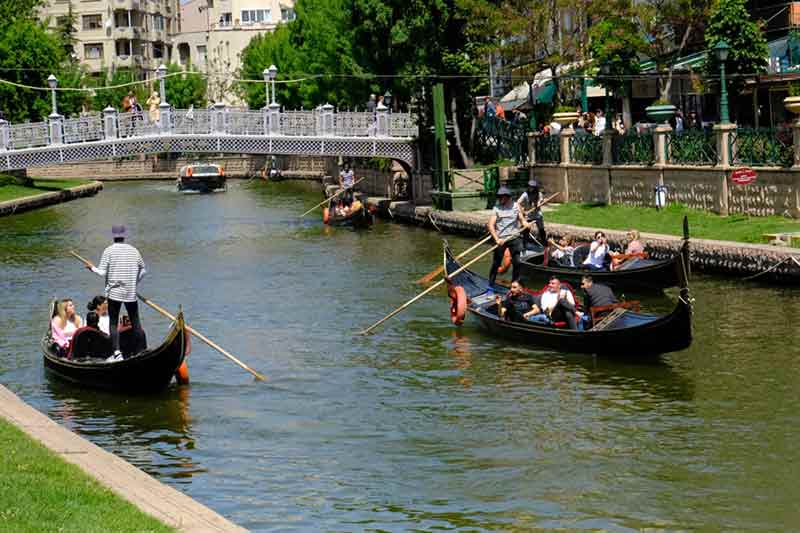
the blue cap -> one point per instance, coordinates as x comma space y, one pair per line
503, 191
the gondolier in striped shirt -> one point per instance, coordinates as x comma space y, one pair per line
122, 266
506, 222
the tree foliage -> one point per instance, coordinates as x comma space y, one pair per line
617, 41
187, 89
748, 54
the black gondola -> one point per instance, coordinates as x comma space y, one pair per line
143, 371
361, 218
628, 334
647, 274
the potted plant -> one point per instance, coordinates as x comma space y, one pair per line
792, 102
660, 111
565, 115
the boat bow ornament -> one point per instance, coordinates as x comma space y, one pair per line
319, 132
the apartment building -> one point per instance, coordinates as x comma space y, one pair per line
113, 34
214, 33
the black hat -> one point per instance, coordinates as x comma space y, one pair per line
504, 191
533, 184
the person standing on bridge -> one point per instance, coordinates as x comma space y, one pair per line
347, 180
123, 267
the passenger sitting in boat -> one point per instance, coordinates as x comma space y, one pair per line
64, 323
92, 320
562, 250
559, 304
99, 304
596, 294
634, 248
517, 304
598, 250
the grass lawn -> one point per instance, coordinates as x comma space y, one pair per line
669, 221
41, 492
11, 191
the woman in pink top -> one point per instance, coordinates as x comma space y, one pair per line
635, 246
64, 324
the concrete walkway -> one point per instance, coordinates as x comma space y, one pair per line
151, 496
27, 203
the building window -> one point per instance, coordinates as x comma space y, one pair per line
93, 50
253, 16
287, 14
225, 19
158, 22
92, 22
201, 51
123, 47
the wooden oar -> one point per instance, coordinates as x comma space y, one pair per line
430, 276
199, 335
332, 197
434, 286
205, 339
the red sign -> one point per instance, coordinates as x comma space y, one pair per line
743, 176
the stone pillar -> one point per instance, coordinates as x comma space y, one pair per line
608, 146
5, 134
165, 117
724, 155
796, 200
274, 118
566, 137
56, 127
532, 136
218, 122
382, 124
796, 140
660, 144
265, 118
327, 120
110, 123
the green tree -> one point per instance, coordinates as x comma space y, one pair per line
187, 89
108, 93
265, 50
731, 22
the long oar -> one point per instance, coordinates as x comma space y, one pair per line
434, 286
332, 197
199, 335
430, 276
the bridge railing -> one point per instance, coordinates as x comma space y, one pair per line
270, 121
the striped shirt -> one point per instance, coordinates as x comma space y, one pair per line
123, 267
507, 220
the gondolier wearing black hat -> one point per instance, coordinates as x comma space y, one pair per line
529, 199
504, 225
122, 266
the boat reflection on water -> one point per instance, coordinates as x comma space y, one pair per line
152, 432
461, 351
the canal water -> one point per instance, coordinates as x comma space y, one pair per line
423, 425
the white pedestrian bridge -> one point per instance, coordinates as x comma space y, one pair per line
271, 131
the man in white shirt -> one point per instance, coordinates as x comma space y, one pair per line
558, 303
599, 123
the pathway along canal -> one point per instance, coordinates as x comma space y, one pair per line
421, 426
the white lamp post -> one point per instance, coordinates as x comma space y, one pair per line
273, 73
52, 81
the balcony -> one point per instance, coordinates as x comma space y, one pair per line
128, 32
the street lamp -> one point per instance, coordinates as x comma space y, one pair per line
265, 73
52, 81
273, 73
605, 69
722, 48
387, 99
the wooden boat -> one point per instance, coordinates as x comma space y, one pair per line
638, 273
360, 218
201, 177
626, 333
140, 371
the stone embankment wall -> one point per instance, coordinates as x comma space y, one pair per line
49, 198
739, 259
776, 191
167, 167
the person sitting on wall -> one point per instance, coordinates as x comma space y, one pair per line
517, 304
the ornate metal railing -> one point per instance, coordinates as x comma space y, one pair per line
136, 125
349, 123
84, 129
29, 135
244, 123
586, 148
761, 147
500, 139
548, 148
191, 121
692, 147
402, 124
633, 149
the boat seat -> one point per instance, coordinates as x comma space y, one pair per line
89, 342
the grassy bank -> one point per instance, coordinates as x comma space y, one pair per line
11, 189
669, 221
41, 492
